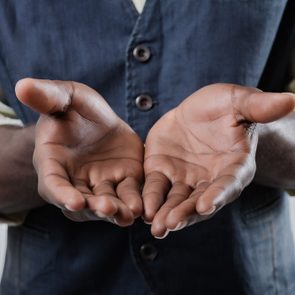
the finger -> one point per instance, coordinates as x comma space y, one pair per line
222, 191
154, 193
261, 107
106, 205
50, 97
185, 213
102, 200
227, 186
44, 96
81, 185
178, 193
55, 186
129, 192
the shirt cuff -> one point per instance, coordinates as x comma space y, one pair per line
8, 117
13, 219
9, 121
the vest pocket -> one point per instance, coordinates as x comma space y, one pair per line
36, 260
258, 203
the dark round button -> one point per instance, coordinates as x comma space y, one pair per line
142, 53
144, 102
148, 252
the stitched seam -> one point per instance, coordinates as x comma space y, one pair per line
130, 72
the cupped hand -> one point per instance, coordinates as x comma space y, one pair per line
201, 155
89, 162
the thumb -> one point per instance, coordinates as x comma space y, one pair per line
261, 107
44, 96
51, 96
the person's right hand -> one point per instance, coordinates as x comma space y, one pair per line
89, 162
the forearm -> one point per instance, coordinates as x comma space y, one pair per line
275, 157
18, 179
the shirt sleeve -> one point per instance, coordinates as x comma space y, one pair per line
13, 219
8, 117
291, 88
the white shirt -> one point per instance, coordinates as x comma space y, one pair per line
139, 4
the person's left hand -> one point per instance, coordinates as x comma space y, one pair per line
201, 155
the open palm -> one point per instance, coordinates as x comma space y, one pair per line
201, 155
88, 161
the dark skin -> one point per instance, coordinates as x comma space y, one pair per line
88, 161
209, 161
17, 168
211, 154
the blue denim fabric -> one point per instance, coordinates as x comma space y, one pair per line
247, 247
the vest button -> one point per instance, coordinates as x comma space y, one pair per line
144, 102
142, 53
148, 252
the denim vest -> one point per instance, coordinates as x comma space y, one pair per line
247, 247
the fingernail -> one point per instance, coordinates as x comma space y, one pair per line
208, 212
146, 222
164, 236
101, 215
180, 225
